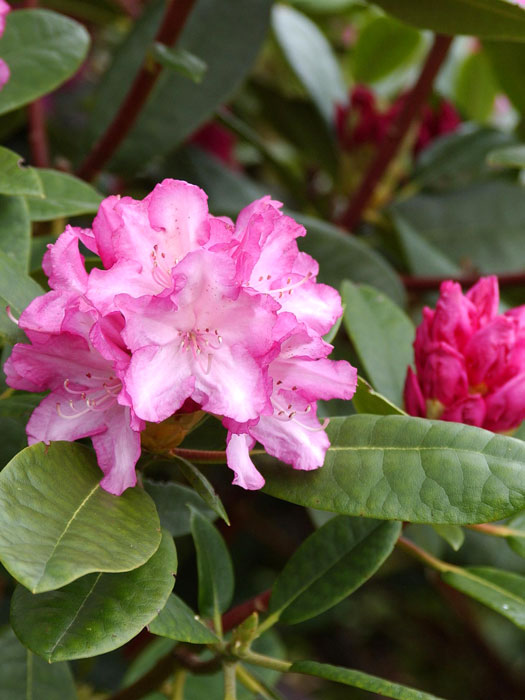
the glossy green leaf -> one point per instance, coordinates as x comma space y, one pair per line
492, 19
507, 157
17, 290
404, 468
64, 195
42, 49
452, 534
421, 257
178, 621
476, 87
382, 336
177, 106
15, 230
342, 256
460, 224
214, 566
358, 679
383, 45
329, 565
366, 400
24, 676
508, 62
502, 591
181, 61
97, 613
172, 501
311, 58
15, 178
71, 525
203, 487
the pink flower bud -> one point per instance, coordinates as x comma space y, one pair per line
413, 396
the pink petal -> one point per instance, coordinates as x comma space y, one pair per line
47, 425
238, 455
485, 297
64, 265
118, 450
506, 406
470, 410
413, 397
444, 376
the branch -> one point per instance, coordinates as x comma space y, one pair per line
410, 111
38, 135
170, 29
423, 284
235, 616
130, 7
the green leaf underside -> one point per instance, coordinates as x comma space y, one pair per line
171, 500
178, 621
15, 179
42, 49
71, 525
413, 469
214, 567
203, 487
335, 560
492, 19
382, 335
24, 676
64, 195
179, 60
502, 591
358, 679
508, 157
517, 544
97, 613
15, 231
452, 534
366, 400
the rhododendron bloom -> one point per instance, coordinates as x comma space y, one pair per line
4, 68
187, 309
470, 361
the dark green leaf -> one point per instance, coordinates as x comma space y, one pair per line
64, 195
203, 487
492, 19
358, 679
502, 591
452, 534
172, 500
383, 46
476, 87
382, 336
178, 621
310, 56
335, 560
24, 676
508, 62
71, 526
15, 178
17, 290
403, 468
15, 230
42, 49
507, 157
517, 543
179, 60
97, 613
366, 400
214, 566
324, 6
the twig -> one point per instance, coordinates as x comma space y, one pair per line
422, 284
38, 135
399, 128
200, 456
235, 616
130, 7
170, 29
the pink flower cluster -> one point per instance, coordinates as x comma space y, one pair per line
185, 308
470, 361
4, 68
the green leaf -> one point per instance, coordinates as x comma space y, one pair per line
324, 6
501, 591
226, 36
179, 60
171, 500
24, 676
508, 62
517, 543
178, 621
358, 679
491, 19
214, 566
342, 256
203, 487
383, 45
329, 565
366, 400
97, 613
42, 49
71, 526
15, 178
452, 534
17, 290
64, 195
310, 56
15, 231
404, 468
382, 336
461, 224
476, 87
507, 157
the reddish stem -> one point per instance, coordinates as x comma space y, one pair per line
130, 7
410, 111
38, 135
200, 456
170, 29
423, 284
235, 616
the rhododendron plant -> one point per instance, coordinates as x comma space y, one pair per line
188, 306
4, 68
470, 361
